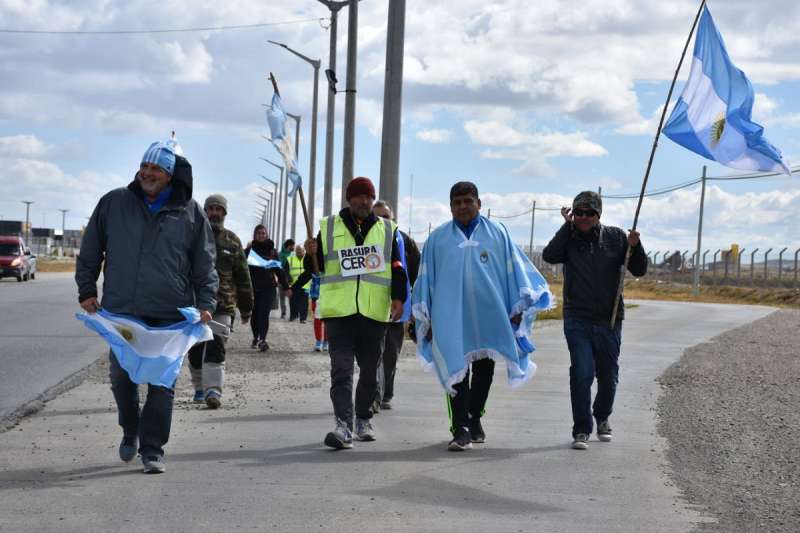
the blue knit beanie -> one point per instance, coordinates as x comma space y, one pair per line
163, 154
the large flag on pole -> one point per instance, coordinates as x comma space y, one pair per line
712, 116
149, 354
276, 119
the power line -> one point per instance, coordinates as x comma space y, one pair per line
168, 30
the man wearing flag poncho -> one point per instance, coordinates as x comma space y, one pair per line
156, 250
474, 303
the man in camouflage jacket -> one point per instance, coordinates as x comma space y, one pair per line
207, 359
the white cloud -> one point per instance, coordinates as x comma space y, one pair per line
22, 146
436, 136
189, 64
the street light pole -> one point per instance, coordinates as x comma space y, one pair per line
63, 225
350, 98
27, 221
312, 165
280, 232
327, 194
392, 103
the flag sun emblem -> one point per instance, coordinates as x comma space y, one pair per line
126, 333
717, 129
484, 256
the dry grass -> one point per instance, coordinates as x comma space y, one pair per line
651, 290
55, 265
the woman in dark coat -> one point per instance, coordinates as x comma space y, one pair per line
264, 281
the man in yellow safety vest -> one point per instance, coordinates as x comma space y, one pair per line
362, 289
298, 303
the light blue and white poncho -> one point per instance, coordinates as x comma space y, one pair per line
467, 290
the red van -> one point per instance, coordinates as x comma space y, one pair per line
16, 259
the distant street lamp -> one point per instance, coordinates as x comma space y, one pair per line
312, 166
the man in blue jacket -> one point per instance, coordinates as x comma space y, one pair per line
156, 250
593, 255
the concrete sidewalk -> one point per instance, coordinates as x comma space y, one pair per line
259, 463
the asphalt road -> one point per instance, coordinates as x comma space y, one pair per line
41, 342
259, 464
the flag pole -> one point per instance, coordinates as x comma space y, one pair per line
309, 229
650, 163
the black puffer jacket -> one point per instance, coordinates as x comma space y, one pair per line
152, 263
591, 269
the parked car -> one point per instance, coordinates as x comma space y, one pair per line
16, 259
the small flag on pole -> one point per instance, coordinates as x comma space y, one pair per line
149, 354
276, 120
713, 115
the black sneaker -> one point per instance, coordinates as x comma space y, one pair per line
461, 441
340, 438
254, 344
604, 431
476, 431
127, 449
580, 441
263, 346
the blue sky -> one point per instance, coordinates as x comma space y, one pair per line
530, 103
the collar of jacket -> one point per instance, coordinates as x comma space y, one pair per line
350, 222
179, 197
593, 235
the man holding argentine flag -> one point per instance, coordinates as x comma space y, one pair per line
156, 250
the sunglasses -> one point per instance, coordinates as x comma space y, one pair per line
584, 212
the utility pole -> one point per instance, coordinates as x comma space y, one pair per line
696, 285
63, 226
327, 194
350, 98
27, 221
392, 103
533, 223
296, 159
280, 232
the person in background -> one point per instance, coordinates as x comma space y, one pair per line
298, 303
286, 250
265, 274
395, 331
207, 359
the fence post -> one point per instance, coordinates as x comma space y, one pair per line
766, 271
683, 262
752, 266
780, 267
739, 266
796, 252
696, 288
666, 263
655, 265
714, 267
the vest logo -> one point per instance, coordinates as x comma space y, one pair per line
360, 260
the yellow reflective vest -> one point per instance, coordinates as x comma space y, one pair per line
369, 295
296, 268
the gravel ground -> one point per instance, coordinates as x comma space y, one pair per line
728, 412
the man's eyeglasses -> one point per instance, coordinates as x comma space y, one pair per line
584, 212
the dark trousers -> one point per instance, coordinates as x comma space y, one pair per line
262, 305
395, 333
151, 424
354, 338
298, 305
470, 399
593, 352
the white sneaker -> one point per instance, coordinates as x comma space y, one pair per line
581, 442
604, 431
364, 430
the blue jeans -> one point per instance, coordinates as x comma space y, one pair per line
593, 352
151, 424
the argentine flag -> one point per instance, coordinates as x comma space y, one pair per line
149, 354
712, 116
276, 120
253, 259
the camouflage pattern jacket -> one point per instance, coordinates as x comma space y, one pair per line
234, 276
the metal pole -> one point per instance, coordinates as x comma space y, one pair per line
392, 102
739, 265
27, 221
766, 270
752, 265
714, 266
312, 164
489, 214
533, 222
327, 194
696, 288
655, 264
63, 227
796, 252
285, 199
350, 98
780, 265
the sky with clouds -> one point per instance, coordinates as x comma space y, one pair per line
531, 101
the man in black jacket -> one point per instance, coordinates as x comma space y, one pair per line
592, 255
156, 250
